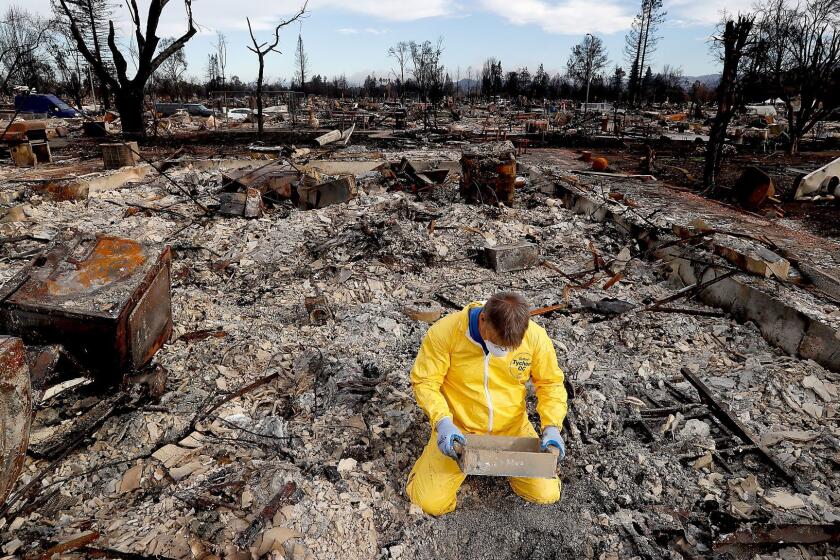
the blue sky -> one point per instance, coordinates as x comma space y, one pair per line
352, 37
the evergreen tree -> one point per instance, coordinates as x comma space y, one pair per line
539, 85
617, 82
647, 83
640, 42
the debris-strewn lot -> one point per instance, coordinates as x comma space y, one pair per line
260, 392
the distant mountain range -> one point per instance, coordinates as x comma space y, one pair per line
708, 80
464, 84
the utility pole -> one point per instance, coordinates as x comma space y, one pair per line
93, 90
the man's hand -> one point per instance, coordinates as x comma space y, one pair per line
551, 436
447, 435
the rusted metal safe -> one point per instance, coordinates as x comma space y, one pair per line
106, 300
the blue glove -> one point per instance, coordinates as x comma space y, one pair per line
551, 436
448, 434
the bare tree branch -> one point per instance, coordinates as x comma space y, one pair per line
94, 61
261, 50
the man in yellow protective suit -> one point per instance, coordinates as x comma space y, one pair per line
469, 378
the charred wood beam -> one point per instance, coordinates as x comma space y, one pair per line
246, 538
689, 291
83, 426
97, 552
725, 416
776, 536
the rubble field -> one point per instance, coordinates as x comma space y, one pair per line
287, 425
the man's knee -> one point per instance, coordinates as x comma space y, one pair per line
546, 495
432, 499
434, 481
539, 491
435, 507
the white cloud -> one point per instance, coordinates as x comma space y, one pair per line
393, 10
708, 12
567, 17
215, 14
366, 30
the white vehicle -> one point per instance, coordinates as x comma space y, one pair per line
602, 107
275, 110
241, 114
761, 110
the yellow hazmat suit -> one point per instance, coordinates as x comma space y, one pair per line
483, 394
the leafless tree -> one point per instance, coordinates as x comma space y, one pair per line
221, 55
169, 73
262, 49
733, 42
91, 18
301, 64
798, 48
425, 60
586, 60
427, 71
69, 64
20, 36
400, 53
213, 72
129, 92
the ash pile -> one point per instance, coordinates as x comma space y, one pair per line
246, 394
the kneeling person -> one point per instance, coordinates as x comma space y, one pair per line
469, 377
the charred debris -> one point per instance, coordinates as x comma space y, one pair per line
207, 338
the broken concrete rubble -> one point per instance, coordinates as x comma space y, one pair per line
796, 323
246, 204
293, 335
508, 258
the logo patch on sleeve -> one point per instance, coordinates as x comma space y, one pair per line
520, 365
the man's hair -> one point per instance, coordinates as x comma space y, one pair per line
509, 314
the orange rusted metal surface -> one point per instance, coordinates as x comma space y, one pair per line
600, 164
111, 260
26, 130
105, 299
15, 412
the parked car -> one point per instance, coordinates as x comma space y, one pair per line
44, 103
194, 109
276, 110
240, 114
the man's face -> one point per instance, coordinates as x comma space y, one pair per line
488, 331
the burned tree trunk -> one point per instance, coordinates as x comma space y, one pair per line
129, 92
734, 40
130, 106
260, 121
262, 49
